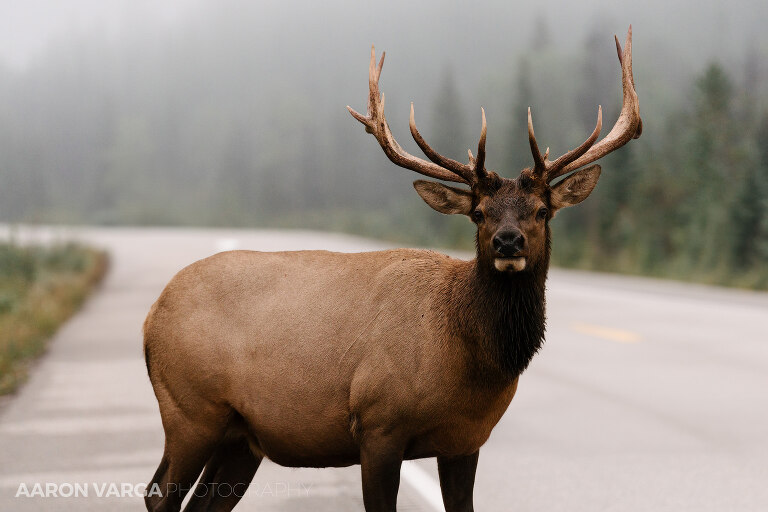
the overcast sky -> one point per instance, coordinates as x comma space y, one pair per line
711, 27
26, 26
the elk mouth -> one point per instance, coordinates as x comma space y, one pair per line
514, 264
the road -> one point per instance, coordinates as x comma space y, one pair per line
648, 395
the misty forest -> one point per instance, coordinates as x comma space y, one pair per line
234, 115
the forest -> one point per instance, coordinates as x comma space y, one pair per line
234, 116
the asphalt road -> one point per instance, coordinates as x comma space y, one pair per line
648, 395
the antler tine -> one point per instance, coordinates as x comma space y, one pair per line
538, 160
628, 126
555, 169
376, 124
463, 170
479, 163
618, 48
473, 171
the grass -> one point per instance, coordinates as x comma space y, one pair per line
40, 288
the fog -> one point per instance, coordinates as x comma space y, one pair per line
232, 114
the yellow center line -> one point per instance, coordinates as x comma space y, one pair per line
606, 333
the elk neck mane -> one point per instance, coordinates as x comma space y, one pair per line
500, 316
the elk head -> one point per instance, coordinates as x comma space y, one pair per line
512, 215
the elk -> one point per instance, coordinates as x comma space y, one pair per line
321, 359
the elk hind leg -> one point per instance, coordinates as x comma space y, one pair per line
189, 443
226, 477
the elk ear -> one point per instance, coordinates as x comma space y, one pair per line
443, 198
575, 188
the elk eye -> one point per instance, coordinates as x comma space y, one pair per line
477, 215
542, 214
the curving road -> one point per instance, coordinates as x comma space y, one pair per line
648, 395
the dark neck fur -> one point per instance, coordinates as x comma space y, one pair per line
502, 318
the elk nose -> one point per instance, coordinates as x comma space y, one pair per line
508, 243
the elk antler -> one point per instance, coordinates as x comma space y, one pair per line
628, 126
440, 167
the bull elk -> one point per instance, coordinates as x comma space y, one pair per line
319, 359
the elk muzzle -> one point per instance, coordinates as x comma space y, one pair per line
509, 251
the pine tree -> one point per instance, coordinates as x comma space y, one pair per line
709, 170
448, 135
542, 36
749, 214
747, 223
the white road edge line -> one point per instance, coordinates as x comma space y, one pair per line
424, 484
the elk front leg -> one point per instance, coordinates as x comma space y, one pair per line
380, 461
457, 481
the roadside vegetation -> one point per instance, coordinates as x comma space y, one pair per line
40, 288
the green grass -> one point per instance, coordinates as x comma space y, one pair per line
40, 288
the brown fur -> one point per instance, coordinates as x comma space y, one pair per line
270, 337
